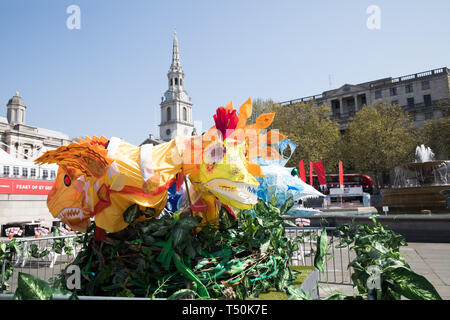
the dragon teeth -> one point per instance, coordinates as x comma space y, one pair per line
71, 213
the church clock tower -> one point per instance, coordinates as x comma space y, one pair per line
176, 105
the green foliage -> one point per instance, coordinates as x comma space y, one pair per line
436, 135
376, 246
322, 250
165, 257
30, 287
313, 130
7, 251
15, 248
260, 106
379, 137
35, 253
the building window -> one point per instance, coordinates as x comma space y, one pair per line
409, 88
184, 114
394, 102
410, 102
428, 115
393, 91
168, 114
45, 174
427, 100
171, 82
176, 81
6, 170
16, 171
25, 172
378, 94
425, 85
181, 82
363, 100
168, 132
32, 172
52, 174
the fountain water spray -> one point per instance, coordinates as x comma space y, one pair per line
424, 154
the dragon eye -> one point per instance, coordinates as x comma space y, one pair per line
67, 180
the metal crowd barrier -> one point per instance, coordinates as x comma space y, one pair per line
337, 260
46, 267
52, 264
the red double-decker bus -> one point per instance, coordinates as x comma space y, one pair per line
350, 180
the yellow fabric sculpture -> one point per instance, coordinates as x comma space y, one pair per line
100, 178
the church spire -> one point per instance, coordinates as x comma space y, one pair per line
176, 65
176, 105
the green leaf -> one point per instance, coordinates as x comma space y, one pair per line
322, 250
289, 223
336, 296
240, 291
149, 212
34, 251
286, 206
182, 229
132, 213
274, 200
184, 270
30, 287
282, 279
265, 246
295, 293
412, 285
182, 294
61, 292
74, 296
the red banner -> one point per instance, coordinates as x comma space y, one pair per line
310, 173
341, 173
18, 186
301, 171
320, 170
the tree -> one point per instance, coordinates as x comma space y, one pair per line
311, 128
436, 135
260, 106
380, 137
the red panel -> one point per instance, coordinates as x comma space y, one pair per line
301, 170
320, 170
17, 186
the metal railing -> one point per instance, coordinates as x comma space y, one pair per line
50, 265
46, 267
337, 260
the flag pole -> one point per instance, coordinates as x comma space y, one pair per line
341, 178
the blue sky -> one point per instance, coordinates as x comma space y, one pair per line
107, 78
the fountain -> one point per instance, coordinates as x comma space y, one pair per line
418, 185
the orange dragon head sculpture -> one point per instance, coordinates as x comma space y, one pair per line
100, 178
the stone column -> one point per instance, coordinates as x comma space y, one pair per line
356, 102
341, 107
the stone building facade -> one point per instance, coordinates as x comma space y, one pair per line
422, 94
22, 140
